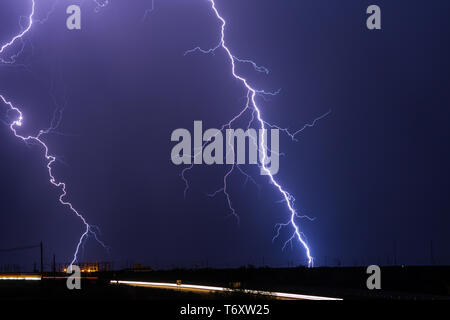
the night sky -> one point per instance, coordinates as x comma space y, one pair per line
375, 172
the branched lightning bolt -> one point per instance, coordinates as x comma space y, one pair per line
252, 105
148, 11
37, 139
18, 37
100, 4
51, 11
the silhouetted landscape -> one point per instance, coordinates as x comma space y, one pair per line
398, 283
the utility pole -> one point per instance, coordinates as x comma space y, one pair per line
42, 259
432, 262
54, 265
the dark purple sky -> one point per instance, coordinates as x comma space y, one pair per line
374, 172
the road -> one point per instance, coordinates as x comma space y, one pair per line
210, 289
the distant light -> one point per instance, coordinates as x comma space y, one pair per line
20, 277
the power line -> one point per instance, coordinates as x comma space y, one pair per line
20, 248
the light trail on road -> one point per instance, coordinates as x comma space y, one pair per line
210, 289
27, 277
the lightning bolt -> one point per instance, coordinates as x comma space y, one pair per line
148, 11
17, 37
37, 139
252, 105
100, 4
